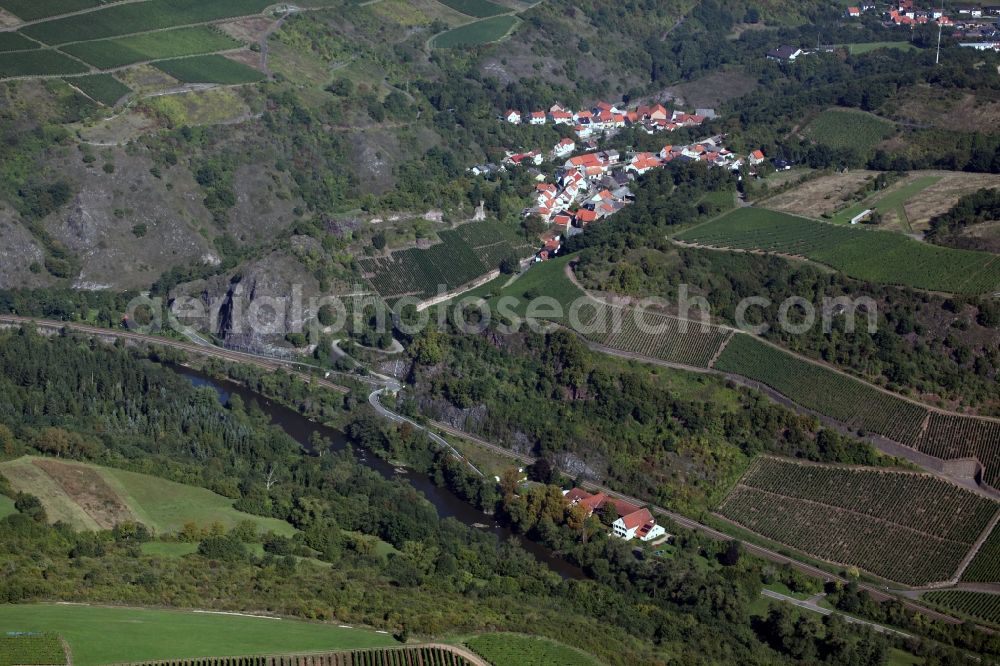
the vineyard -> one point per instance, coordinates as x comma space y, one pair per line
824, 390
464, 254
517, 650
109, 53
876, 256
902, 526
103, 88
476, 33
401, 656
985, 566
849, 129
31, 649
32, 10
651, 334
981, 606
209, 69
475, 8
950, 436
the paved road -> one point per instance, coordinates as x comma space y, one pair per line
812, 605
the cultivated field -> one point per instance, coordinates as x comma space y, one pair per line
518, 650
876, 256
31, 649
478, 33
659, 336
464, 253
32, 10
903, 526
399, 656
475, 8
110, 53
90, 497
981, 606
209, 69
102, 88
950, 436
985, 566
130, 18
849, 129
890, 203
38, 63
106, 635
12, 41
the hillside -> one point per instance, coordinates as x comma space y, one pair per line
92, 497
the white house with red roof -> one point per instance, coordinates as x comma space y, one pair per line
632, 522
563, 148
561, 117
513, 117
853, 12
756, 157
537, 118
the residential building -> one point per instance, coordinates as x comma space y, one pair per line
513, 117
784, 54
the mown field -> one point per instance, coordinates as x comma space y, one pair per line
517, 650
464, 254
91, 497
981, 606
40, 62
104, 88
985, 566
893, 202
31, 649
109, 53
877, 256
475, 8
209, 69
125, 19
868, 47
903, 526
848, 129
475, 34
106, 635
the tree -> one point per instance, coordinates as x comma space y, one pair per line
731, 555
30, 506
223, 548
609, 514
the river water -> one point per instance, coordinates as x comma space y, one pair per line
448, 504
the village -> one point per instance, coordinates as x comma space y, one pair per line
593, 185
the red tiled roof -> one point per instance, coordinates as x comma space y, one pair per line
584, 215
757, 154
637, 519
588, 159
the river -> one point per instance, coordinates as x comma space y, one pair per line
448, 504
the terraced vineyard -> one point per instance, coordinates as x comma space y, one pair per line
474, 34
110, 53
985, 566
655, 335
402, 656
816, 387
30, 649
475, 8
906, 527
104, 88
465, 253
981, 606
209, 69
950, 436
876, 256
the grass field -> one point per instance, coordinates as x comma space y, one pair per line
475, 8
109, 53
209, 69
32, 10
133, 18
518, 650
893, 202
907, 527
877, 256
868, 47
980, 606
104, 88
103, 635
477, 33
38, 63
6, 506
12, 41
31, 649
92, 497
842, 128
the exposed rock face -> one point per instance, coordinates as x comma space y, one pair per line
18, 252
254, 308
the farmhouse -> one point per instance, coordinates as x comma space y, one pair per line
632, 522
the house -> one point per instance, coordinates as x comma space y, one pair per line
853, 12
561, 117
585, 216
784, 54
564, 148
584, 131
537, 118
513, 117
969, 10
756, 157
632, 522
